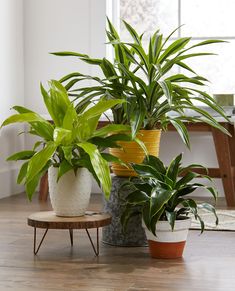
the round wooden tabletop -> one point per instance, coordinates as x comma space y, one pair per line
48, 219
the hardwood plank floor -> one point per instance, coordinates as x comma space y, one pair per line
208, 263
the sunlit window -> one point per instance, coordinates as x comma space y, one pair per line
201, 19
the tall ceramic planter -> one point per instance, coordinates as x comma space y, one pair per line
131, 152
70, 196
168, 244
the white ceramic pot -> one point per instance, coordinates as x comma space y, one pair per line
168, 244
71, 195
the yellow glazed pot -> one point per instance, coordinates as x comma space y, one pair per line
131, 152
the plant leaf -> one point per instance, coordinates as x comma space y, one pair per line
69, 118
64, 167
186, 179
132, 32
154, 220
171, 217
100, 166
137, 197
62, 136
159, 198
167, 90
68, 153
174, 48
23, 155
156, 163
39, 160
68, 54
110, 158
173, 169
210, 208
146, 171
31, 186
24, 117
111, 128
56, 101
22, 173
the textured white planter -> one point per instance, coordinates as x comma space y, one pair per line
71, 195
168, 244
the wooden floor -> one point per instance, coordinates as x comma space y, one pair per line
208, 263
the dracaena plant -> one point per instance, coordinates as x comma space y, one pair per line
144, 78
70, 141
161, 192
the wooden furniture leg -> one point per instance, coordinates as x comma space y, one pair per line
231, 130
43, 190
223, 146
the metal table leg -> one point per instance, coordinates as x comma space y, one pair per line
35, 250
71, 236
96, 250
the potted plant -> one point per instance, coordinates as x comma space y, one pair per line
161, 194
144, 78
70, 147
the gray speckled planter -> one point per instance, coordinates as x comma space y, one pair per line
113, 234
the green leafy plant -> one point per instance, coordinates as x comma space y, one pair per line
144, 78
161, 192
70, 141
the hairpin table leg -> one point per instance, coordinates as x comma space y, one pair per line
35, 250
71, 236
96, 250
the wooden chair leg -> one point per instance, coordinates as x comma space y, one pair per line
222, 146
43, 190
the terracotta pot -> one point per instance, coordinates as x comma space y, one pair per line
168, 244
70, 196
131, 152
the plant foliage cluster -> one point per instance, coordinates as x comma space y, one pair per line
69, 141
144, 78
162, 195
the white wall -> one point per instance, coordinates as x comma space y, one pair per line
11, 88
59, 25
56, 25
202, 152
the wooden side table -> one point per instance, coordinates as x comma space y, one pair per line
225, 151
48, 220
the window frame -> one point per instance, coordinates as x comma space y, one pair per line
113, 12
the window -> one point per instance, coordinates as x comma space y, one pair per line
202, 19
